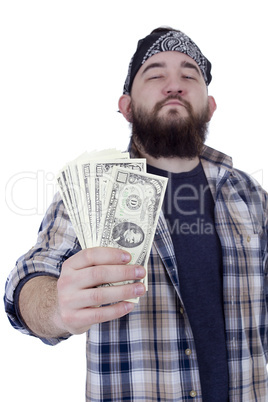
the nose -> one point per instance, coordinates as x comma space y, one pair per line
174, 86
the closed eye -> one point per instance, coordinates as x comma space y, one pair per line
155, 77
189, 77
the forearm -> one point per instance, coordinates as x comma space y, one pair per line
38, 304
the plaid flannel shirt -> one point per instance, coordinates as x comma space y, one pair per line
149, 355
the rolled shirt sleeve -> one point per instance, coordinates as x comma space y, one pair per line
55, 243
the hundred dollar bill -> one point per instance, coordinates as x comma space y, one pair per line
132, 212
102, 176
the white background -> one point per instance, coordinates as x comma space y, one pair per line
62, 69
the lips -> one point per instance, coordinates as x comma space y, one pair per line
173, 102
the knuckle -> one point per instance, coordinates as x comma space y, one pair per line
125, 273
97, 315
89, 255
100, 314
97, 274
96, 296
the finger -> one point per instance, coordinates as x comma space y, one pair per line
103, 295
99, 275
109, 313
98, 256
81, 320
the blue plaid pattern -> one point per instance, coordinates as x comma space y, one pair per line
149, 355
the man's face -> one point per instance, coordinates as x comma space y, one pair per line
166, 75
169, 107
132, 236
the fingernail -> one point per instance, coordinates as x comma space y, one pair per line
139, 289
129, 307
139, 272
125, 257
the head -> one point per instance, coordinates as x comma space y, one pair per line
165, 95
128, 234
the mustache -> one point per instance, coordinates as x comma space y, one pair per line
160, 104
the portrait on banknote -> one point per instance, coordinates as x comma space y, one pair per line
128, 234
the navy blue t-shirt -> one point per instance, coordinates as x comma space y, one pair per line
189, 211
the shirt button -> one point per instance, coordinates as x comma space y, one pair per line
193, 394
188, 352
248, 239
181, 310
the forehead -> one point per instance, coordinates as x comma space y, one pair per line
169, 58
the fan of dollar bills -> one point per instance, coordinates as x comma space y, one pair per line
113, 202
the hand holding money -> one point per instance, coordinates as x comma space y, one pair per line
113, 202
79, 294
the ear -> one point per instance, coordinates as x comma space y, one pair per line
212, 106
124, 105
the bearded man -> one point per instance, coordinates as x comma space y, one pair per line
200, 332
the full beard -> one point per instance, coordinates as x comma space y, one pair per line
172, 135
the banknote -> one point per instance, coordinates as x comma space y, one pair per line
74, 182
65, 191
70, 190
132, 212
102, 176
113, 202
90, 210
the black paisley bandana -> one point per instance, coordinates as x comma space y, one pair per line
163, 41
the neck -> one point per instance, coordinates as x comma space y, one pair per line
173, 165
